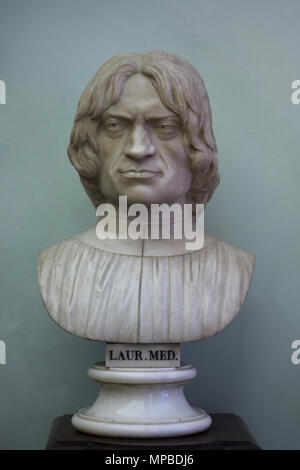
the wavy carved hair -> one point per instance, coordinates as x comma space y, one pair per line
180, 88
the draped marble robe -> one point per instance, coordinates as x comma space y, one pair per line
143, 291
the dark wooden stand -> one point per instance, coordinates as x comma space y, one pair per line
227, 432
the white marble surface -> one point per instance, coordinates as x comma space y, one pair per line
143, 129
141, 403
129, 298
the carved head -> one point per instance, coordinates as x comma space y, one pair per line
143, 128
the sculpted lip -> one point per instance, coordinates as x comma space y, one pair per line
141, 174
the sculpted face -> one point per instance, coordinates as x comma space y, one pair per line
140, 148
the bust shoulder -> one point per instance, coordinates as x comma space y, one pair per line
179, 298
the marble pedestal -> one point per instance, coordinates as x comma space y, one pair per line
141, 403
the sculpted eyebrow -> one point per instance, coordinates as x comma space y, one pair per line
157, 120
116, 116
152, 120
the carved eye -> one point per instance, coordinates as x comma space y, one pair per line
113, 126
167, 130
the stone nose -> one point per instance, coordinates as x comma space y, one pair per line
140, 144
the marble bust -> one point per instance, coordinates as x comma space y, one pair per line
143, 129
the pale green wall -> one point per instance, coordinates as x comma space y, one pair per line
248, 55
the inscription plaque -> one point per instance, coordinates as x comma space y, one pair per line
142, 355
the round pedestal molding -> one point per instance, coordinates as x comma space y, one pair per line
141, 403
